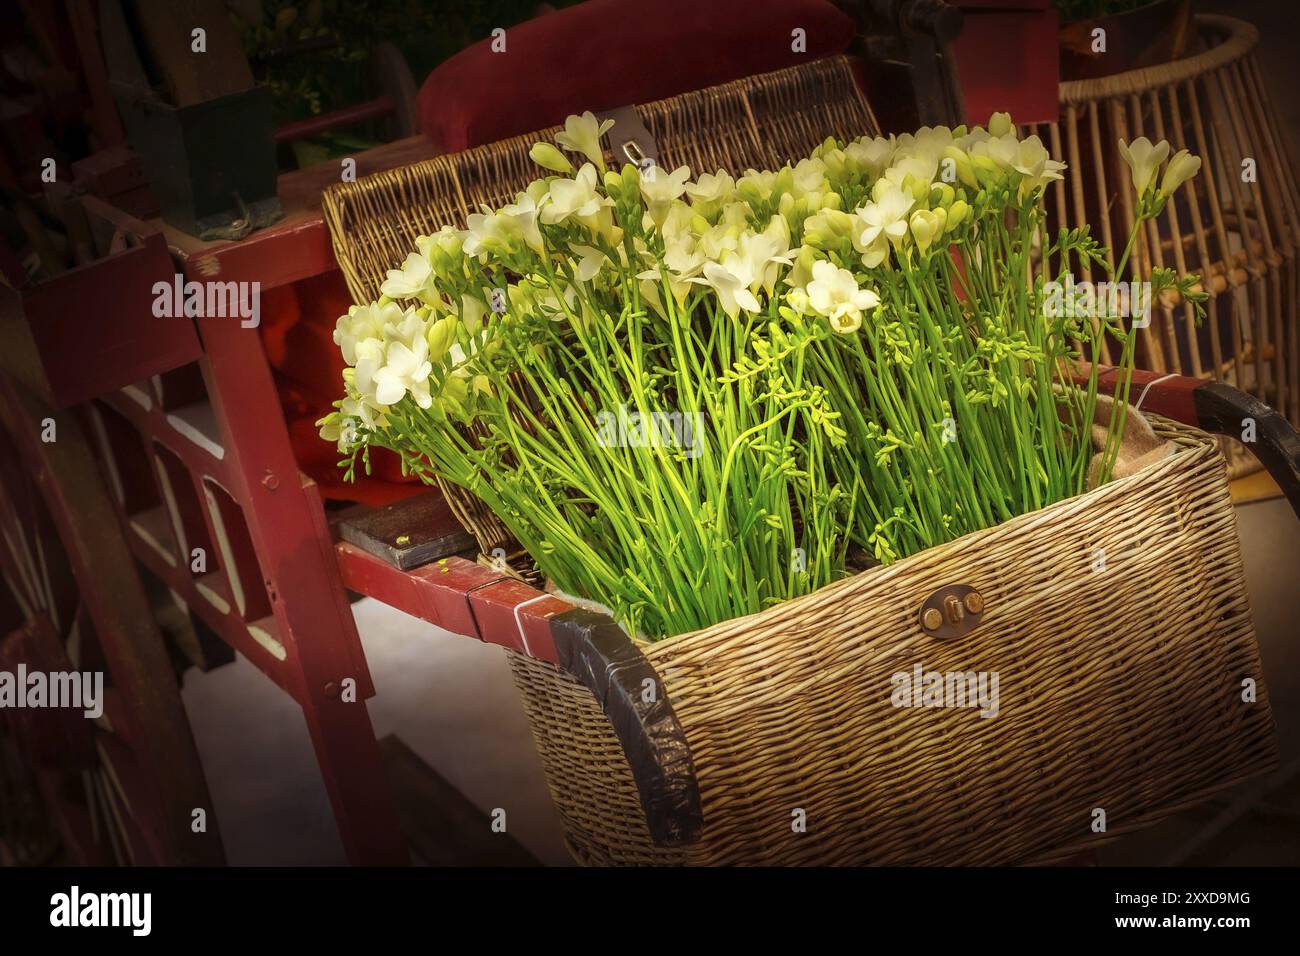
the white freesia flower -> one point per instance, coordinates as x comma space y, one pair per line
826, 229
1035, 165
736, 215
409, 282
683, 255
882, 221
800, 273
1002, 151
809, 176
765, 253
914, 172
589, 264
719, 240
489, 233
368, 413
369, 360
680, 222
521, 221
753, 264
353, 409
711, 191
730, 279
679, 282
660, 188
582, 135
444, 249
1143, 160
363, 322
834, 293
871, 156
406, 365
797, 299
577, 197
933, 140
837, 163
1181, 168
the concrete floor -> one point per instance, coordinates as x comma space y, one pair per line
453, 702
450, 699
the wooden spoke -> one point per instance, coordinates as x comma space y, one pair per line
112, 821
117, 789
97, 832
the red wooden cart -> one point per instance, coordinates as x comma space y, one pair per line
184, 422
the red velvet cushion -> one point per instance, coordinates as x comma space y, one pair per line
607, 53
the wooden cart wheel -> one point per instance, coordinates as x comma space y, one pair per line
27, 835
124, 787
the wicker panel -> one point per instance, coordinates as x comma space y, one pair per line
757, 122
1241, 237
1120, 689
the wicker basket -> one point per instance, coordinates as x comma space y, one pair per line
756, 122
1120, 690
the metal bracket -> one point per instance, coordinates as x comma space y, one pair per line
235, 225
629, 137
951, 611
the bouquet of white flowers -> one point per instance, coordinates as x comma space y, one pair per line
691, 397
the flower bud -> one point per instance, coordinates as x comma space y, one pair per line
926, 225
1180, 169
957, 213
962, 163
1000, 124
440, 336
631, 177
548, 157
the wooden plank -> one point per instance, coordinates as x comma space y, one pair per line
407, 533
189, 76
48, 332
441, 824
460, 596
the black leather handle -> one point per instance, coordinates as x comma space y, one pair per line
596, 651
1225, 410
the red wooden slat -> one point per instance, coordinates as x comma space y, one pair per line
127, 341
1169, 395
460, 596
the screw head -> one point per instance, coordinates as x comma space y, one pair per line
270, 481
331, 689
932, 620
953, 609
974, 602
